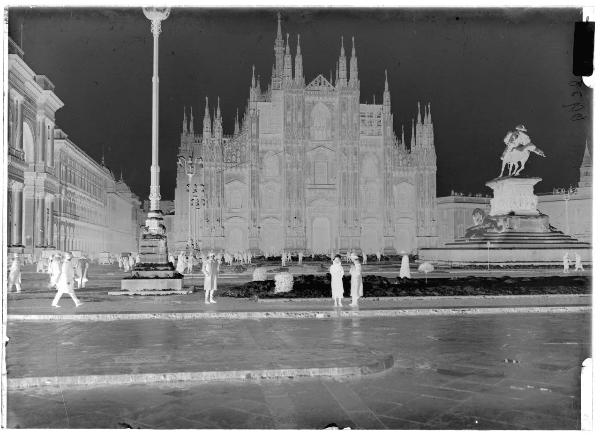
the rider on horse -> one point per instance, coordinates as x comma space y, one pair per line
515, 138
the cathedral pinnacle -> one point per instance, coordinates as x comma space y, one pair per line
342, 66
218, 107
386, 86
298, 70
206, 126
191, 129
279, 25
287, 44
184, 130
253, 78
236, 126
353, 67
418, 113
429, 121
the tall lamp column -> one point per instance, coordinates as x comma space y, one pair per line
155, 15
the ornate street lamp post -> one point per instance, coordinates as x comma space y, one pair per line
154, 273
155, 15
567, 196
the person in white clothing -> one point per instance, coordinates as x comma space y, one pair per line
356, 283
364, 257
181, 263
337, 286
66, 282
566, 262
300, 256
578, 263
190, 263
405, 267
14, 274
210, 268
54, 271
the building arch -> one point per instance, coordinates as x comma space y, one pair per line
28, 143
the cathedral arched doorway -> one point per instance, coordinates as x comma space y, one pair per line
321, 235
369, 238
235, 240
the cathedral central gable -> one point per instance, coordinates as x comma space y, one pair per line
319, 83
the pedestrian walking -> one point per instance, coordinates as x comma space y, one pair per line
405, 267
283, 258
172, 259
356, 283
378, 256
137, 258
566, 262
364, 257
210, 268
578, 263
120, 259
337, 286
14, 274
300, 256
66, 282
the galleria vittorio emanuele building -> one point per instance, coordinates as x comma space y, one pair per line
308, 168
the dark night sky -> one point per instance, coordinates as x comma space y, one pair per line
484, 71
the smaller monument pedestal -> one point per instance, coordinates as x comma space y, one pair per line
154, 274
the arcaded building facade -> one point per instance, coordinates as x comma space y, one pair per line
58, 197
308, 168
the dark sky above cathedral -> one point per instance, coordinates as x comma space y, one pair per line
484, 71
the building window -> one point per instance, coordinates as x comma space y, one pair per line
320, 172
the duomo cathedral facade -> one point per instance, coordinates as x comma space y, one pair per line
308, 168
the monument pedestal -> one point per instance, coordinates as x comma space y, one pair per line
515, 232
154, 274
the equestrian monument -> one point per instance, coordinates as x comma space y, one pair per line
514, 232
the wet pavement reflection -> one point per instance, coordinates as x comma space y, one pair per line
459, 372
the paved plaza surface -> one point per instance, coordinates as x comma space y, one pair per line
456, 363
498, 371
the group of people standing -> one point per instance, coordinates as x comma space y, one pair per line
567, 262
337, 286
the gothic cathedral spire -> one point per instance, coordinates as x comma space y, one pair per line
386, 96
191, 129
287, 62
279, 54
185, 122
206, 125
298, 71
342, 66
353, 67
